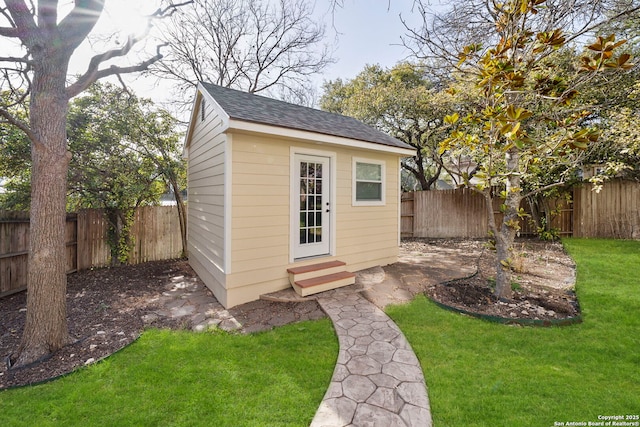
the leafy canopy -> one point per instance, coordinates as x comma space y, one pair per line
404, 102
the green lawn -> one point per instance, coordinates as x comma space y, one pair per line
169, 378
485, 374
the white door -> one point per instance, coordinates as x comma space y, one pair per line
312, 224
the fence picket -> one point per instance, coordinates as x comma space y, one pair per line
156, 231
461, 213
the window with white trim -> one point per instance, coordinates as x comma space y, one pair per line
368, 182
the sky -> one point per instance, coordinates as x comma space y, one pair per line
362, 32
369, 32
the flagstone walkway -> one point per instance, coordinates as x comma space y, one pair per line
378, 380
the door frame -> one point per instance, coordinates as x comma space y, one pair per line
294, 200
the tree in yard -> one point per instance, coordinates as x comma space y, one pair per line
403, 102
154, 138
615, 103
125, 155
618, 151
529, 115
246, 45
15, 171
41, 70
148, 136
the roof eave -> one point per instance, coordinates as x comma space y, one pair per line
202, 92
315, 137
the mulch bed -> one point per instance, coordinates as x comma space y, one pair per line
543, 284
105, 309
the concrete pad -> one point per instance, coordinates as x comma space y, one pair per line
336, 412
381, 351
372, 416
364, 365
185, 310
358, 388
412, 393
387, 398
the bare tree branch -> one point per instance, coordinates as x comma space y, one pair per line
4, 12
22, 20
24, 59
169, 10
9, 32
545, 188
16, 83
76, 26
10, 118
94, 74
243, 44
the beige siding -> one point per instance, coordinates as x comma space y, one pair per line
206, 206
366, 235
260, 223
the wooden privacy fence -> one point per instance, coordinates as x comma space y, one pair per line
614, 212
156, 233
462, 213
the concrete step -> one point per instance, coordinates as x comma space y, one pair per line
324, 283
315, 270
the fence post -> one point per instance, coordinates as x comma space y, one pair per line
82, 239
407, 215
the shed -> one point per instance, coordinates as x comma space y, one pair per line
282, 195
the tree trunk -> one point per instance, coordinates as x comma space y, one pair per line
418, 172
534, 207
46, 324
509, 227
182, 213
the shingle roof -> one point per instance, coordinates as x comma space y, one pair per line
259, 109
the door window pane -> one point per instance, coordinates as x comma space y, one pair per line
310, 209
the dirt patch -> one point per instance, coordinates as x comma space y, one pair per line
542, 281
